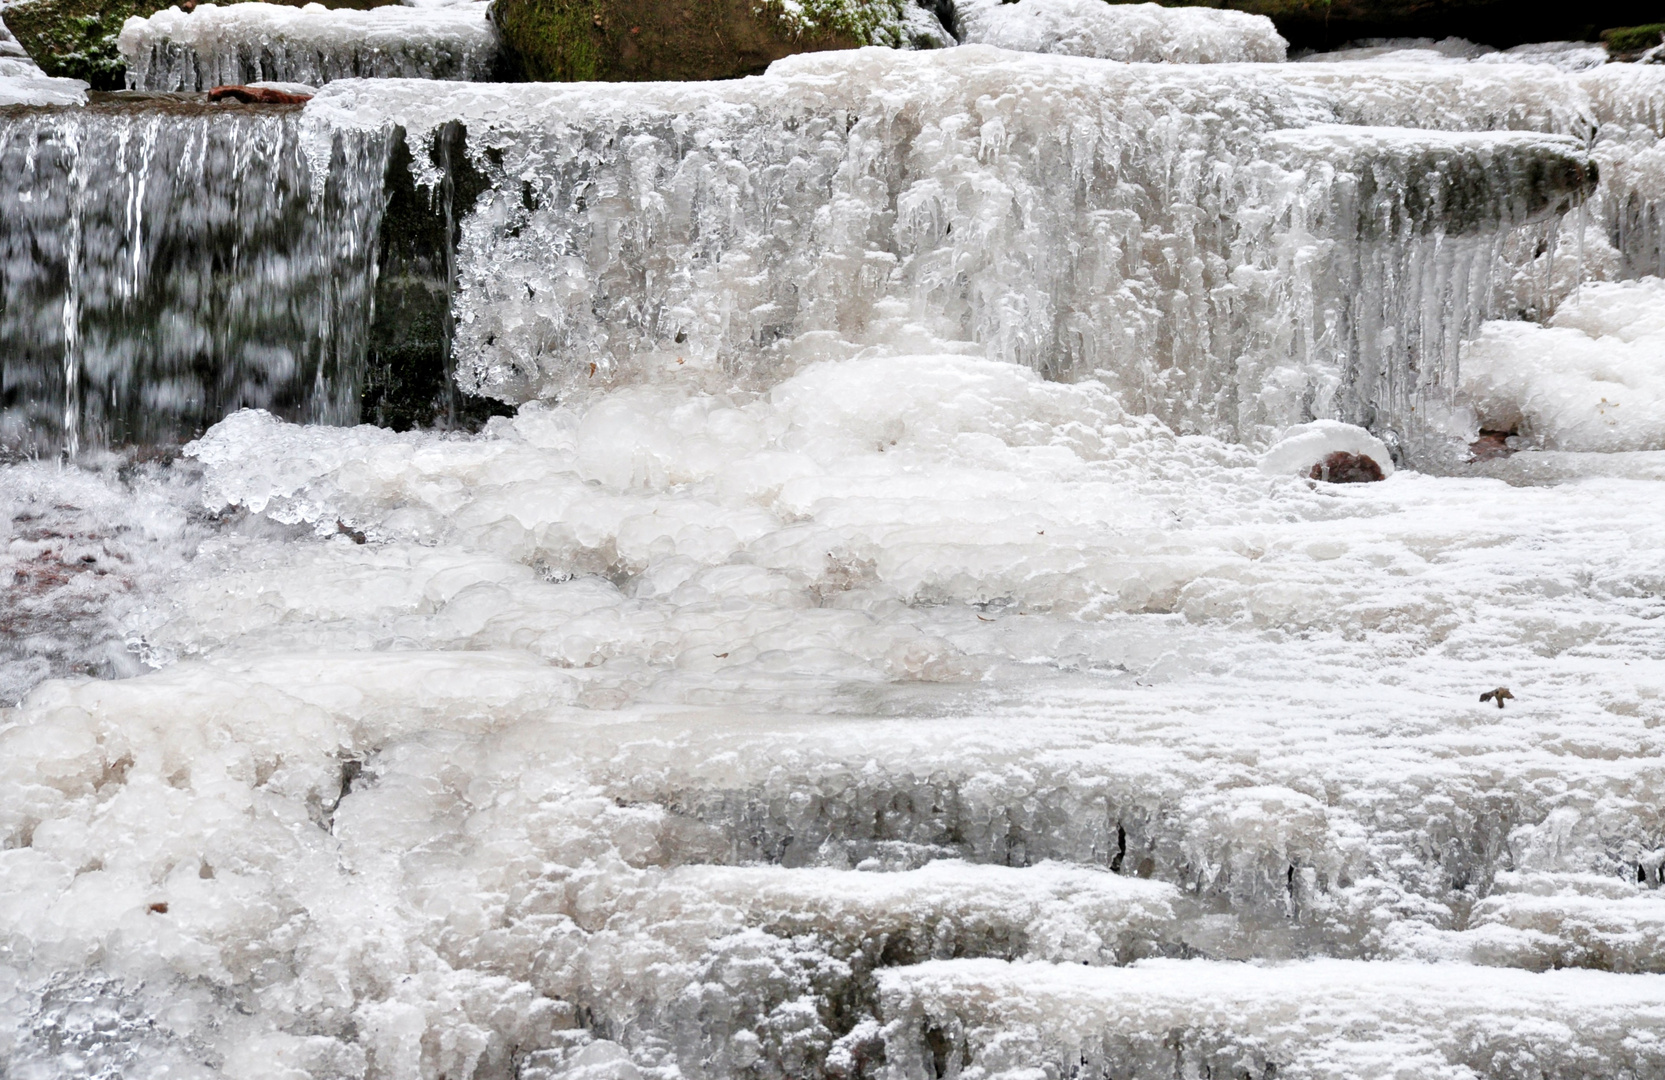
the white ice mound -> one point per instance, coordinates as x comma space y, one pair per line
1130, 32
1593, 380
245, 43
22, 82
1306, 445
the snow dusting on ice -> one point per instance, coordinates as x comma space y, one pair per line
1131, 32
1592, 379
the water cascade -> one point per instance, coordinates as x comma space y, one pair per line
833, 573
169, 261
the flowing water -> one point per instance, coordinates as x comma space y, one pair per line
830, 608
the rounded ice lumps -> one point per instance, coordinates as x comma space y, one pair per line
1329, 450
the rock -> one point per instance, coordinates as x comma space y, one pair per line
1632, 43
1321, 24
77, 38
1329, 450
257, 95
1344, 468
640, 40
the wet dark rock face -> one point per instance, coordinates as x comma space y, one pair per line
408, 373
633, 40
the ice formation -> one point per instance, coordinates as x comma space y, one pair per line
1132, 32
1307, 445
22, 82
1593, 379
905, 200
655, 719
898, 637
245, 43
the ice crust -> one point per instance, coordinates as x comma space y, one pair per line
657, 732
1443, 1021
244, 43
1593, 379
897, 201
1131, 32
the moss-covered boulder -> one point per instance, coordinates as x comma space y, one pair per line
77, 38
633, 40
1327, 23
1630, 42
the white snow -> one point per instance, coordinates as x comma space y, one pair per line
22, 82
1307, 445
1593, 379
217, 45
1131, 32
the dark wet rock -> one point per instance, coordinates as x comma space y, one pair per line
636, 40
77, 38
1344, 468
409, 369
1632, 43
257, 95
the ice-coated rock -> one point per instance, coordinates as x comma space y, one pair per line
1307, 446
217, 45
878, 199
22, 82
1133, 32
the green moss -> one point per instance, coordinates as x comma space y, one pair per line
557, 40
1625, 39
76, 38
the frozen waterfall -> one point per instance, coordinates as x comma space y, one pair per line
835, 575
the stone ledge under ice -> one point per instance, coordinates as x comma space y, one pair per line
1320, 1018
245, 43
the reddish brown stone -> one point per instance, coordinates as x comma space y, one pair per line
257, 95
1344, 468
1490, 444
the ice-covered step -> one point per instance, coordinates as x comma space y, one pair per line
216, 45
1321, 1018
894, 204
1129, 32
1452, 183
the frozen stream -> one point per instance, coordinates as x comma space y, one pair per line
892, 636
